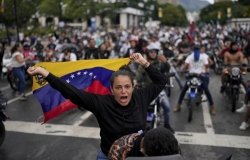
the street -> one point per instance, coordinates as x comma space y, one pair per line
75, 134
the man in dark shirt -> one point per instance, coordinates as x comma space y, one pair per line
184, 47
91, 52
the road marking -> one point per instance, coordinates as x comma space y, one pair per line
84, 117
17, 98
207, 119
52, 129
218, 140
4, 88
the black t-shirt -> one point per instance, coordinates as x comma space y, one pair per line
91, 53
114, 120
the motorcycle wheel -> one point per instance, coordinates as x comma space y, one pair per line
2, 132
191, 105
12, 80
233, 100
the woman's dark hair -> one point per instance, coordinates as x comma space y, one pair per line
160, 141
15, 47
124, 71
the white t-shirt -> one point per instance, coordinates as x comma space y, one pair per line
198, 66
14, 62
72, 57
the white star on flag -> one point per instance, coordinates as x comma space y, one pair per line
72, 76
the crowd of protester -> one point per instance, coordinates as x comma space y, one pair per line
74, 44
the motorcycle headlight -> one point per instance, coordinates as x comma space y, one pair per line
195, 81
235, 71
4, 70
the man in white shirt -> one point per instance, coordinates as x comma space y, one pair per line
199, 64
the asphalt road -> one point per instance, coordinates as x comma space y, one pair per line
75, 134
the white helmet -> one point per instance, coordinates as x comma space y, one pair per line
153, 46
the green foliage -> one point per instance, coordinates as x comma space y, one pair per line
39, 31
83, 10
24, 8
244, 2
173, 15
2, 34
212, 12
51, 8
75, 9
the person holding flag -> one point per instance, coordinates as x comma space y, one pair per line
122, 112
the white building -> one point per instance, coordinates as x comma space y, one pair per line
130, 17
240, 23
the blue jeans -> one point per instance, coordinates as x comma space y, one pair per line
164, 103
19, 73
204, 86
101, 156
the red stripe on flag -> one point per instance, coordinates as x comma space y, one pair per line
65, 106
97, 88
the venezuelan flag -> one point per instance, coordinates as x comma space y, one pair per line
90, 75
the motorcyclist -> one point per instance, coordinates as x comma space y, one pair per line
197, 63
231, 57
160, 62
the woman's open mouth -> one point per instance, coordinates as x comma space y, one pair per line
124, 99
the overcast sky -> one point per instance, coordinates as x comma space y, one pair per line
211, 1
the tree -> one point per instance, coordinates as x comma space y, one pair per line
51, 8
173, 15
17, 14
244, 2
25, 9
76, 9
226, 10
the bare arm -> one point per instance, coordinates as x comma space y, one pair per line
20, 59
241, 57
226, 61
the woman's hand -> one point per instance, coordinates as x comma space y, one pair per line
37, 71
138, 58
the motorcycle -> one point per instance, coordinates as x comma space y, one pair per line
3, 117
194, 93
155, 114
13, 80
232, 88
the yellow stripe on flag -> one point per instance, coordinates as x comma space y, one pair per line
62, 68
